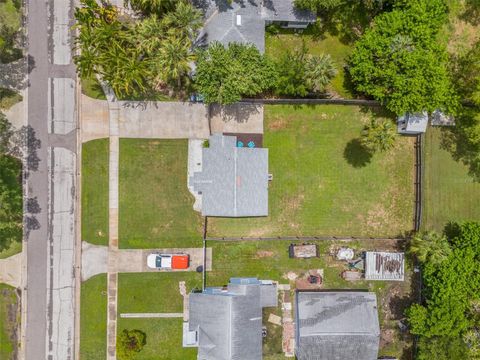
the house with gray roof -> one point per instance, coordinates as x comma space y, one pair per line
233, 181
335, 325
228, 321
244, 21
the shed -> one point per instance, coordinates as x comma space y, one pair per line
384, 266
412, 123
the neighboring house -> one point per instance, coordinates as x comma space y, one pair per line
244, 21
228, 321
412, 123
388, 266
336, 325
234, 180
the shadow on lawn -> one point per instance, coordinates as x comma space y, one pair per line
356, 154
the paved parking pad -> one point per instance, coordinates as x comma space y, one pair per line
136, 260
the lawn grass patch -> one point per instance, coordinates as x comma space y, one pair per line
9, 322
154, 292
324, 183
156, 208
8, 98
14, 248
164, 338
92, 88
450, 194
277, 44
95, 160
93, 318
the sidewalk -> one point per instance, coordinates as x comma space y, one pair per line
11, 270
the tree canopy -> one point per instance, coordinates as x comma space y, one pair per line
400, 62
137, 57
11, 206
450, 286
225, 74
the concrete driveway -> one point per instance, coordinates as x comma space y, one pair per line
237, 118
95, 259
163, 120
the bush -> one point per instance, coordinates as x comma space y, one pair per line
130, 342
225, 74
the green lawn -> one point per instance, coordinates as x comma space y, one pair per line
14, 248
323, 183
154, 292
95, 160
9, 322
450, 194
93, 318
92, 88
156, 208
164, 339
276, 45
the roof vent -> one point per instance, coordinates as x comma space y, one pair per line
239, 20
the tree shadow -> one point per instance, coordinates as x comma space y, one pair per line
356, 154
460, 142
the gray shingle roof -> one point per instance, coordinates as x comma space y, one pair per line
337, 326
221, 19
233, 181
229, 322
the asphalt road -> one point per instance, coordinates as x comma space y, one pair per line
49, 325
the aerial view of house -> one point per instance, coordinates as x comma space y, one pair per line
239, 179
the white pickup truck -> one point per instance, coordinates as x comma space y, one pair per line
168, 261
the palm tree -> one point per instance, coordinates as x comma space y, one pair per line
319, 70
174, 59
185, 20
430, 247
378, 135
149, 7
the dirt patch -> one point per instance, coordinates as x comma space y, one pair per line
463, 36
263, 254
277, 124
387, 337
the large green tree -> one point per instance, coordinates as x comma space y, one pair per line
10, 190
225, 74
450, 287
400, 61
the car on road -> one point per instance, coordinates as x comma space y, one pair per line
168, 261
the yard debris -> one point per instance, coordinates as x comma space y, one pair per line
303, 251
283, 287
291, 276
351, 275
345, 254
275, 319
288, 333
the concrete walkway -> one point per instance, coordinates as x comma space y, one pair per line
112, 278
11, 270
151, 315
